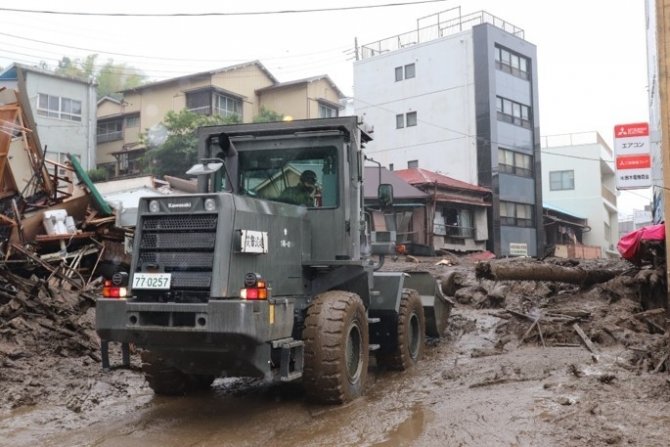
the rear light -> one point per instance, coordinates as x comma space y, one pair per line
256, 287
109, 290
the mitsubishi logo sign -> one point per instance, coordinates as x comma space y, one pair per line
633, 159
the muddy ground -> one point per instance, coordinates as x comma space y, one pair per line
490, 382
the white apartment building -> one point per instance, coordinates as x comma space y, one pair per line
578, 176
458, 96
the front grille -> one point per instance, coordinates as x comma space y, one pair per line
182, 260
176, 222
177, 240
182, 245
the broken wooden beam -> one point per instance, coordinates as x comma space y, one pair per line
585, 338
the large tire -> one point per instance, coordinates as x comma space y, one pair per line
164, 379
336, 347
410, 336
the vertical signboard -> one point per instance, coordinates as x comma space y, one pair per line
633, 159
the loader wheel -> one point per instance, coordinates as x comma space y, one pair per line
336, 347
410, 337
164, 379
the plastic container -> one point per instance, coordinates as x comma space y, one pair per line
54, 222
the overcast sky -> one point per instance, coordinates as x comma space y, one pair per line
591, 53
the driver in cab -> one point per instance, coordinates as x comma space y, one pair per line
306, 192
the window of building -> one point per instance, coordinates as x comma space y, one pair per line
513, 112
406, 72
561, 180
58, 107
512, 63
516, 214
227, 105
413, 164
326, 111
515, 163
199, 102
109, 131
398, 74
458, 223
410, 71
399, 121
133, 121
411, 119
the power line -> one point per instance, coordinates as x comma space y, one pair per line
218, 14
145, 57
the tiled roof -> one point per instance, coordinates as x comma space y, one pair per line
418, 176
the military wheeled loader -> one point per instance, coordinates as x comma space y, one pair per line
232, 281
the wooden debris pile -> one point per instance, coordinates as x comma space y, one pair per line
37, 318
51, 226
573, 303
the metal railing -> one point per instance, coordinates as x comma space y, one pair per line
435, 31
574, 139
109, 136
455, 231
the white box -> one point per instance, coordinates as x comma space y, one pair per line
54, 222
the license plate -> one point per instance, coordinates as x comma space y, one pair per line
153, 281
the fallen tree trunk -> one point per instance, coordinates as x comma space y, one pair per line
543, 272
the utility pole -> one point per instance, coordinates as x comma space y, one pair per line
663, 45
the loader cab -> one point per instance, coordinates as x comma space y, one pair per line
314, 164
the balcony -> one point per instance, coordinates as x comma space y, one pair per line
454, 231
109, 136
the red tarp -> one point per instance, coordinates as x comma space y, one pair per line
629, 244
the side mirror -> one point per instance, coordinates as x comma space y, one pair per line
385, 195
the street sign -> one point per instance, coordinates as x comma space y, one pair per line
633, 159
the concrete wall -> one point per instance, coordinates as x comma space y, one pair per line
289, 101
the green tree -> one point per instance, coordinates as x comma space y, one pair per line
97, 174
266, 115
179, 152
111, 77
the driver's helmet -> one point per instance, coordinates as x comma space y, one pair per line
308, 177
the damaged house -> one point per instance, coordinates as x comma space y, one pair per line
431, 211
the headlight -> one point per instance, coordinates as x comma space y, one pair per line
210, 205
154, 207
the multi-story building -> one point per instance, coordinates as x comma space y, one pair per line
241, 90
63, 109
578, 176
459, 97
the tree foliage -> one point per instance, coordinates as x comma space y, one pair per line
111, 77
266, 116
97, 175
179, 152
